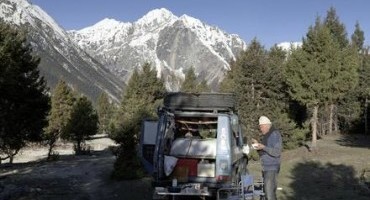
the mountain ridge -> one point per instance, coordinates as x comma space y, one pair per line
101, 57
143, 41
60, 57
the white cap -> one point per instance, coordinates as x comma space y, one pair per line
264, 120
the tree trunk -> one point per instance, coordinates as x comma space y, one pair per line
336, 121
314, 127
366, 102
51, 147
331, 117
78, 148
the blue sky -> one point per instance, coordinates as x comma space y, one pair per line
270, 21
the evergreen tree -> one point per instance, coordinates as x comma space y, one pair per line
82, 123
24, 102
336, 28
257, 80
339, 35
105, 113
320, 72
364, 89
203, 87
279, 104
143, 95
248, 85
228, 83
62, 101
358, 38
190, 83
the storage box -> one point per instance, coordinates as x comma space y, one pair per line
206, 169
191, 164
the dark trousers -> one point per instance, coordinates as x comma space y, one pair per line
270, 184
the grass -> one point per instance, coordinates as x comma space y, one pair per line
333, 172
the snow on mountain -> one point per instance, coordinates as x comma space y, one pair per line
172, 44
60, 56
287, 46
98, 58
21, 12
155, 19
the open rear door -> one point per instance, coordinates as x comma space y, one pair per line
147, 143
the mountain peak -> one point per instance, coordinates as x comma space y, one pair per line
160, 15
106, 24
190, 21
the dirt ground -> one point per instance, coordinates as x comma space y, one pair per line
333, 172
84, 177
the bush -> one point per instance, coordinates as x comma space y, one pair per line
127, 167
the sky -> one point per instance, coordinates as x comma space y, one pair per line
270, 21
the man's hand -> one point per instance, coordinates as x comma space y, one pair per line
254, 141
258, 146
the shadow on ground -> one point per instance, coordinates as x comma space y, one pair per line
315, 181
354, 140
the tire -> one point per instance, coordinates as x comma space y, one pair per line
180, 100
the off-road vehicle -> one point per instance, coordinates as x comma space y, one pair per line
196, 146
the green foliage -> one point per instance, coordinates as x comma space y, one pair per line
246, 81
324, 70
143, 95
358, 38
82, 123
191, 84
127, 167
62, 101
105, 113
321, 71
257, 80
337, 29
24, 102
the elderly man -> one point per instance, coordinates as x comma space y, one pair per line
269, 150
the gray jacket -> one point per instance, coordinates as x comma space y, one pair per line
270, 155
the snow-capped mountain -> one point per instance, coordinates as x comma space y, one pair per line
171, 44
103, 56
60, 56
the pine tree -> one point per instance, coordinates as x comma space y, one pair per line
190, 83
320, 72
364, 89
105, 113
83, 122
339, 35
24, 102
143, 95
203, 87
257, 80
278, 106
358, 38
62, 101
336, 28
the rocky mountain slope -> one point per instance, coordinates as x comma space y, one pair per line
102, 57
171, 44
61, 58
